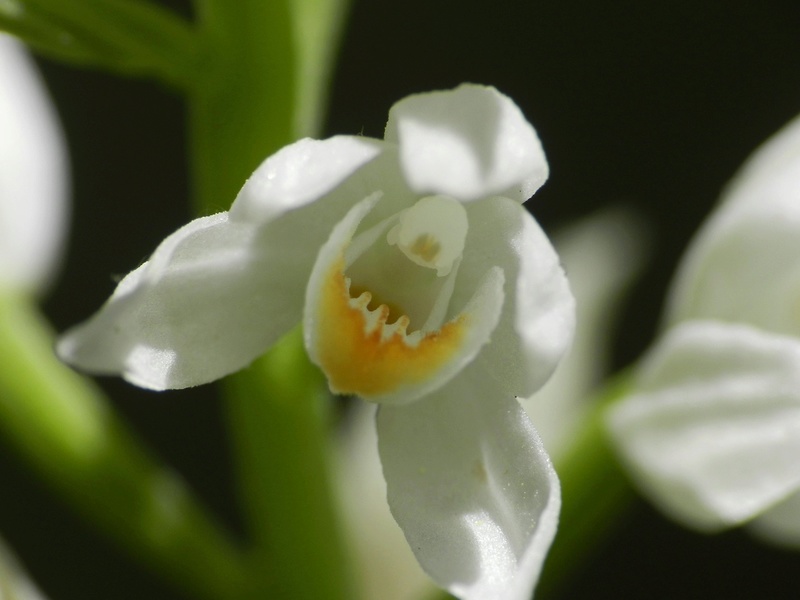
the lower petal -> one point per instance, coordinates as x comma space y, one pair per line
473, 489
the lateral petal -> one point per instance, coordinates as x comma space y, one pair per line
538, 319
472, 487
211, 299
713, 433
468, 143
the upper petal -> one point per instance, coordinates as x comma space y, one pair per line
211, 299
538, 319
745, 264
300, 174
472, 488
33, 174
713, 434
469, 142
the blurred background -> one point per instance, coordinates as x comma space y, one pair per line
647, 105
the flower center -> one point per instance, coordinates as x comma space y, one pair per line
378, 318
432, 233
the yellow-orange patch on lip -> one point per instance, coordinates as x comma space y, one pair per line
361, 354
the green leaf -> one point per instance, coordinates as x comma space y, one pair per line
128, 36
279, 412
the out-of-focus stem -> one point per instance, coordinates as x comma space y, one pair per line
61, 424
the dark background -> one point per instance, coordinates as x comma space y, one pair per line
653, 105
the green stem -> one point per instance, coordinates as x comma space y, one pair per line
250, 102
279, 410
61, 424
242, 108
595, 494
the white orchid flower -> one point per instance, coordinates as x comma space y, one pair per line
713, 432
422, 285
602, 254
33, 175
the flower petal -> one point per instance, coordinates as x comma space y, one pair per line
361, 353
300, 174
33, 174
538, 318
744, 265
213, 297
468, 143
472, 488
714, 432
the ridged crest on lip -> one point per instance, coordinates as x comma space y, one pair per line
363, 354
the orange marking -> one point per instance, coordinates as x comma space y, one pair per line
360, 362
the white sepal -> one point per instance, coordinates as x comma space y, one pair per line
211, 299
713, 432
538, 319
468, 143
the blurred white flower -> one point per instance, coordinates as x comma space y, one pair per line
712, 433
422, 284
33, 175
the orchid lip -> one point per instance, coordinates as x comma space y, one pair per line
379, 324
370, 344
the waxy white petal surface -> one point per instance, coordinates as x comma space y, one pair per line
470, 484
300, 174
468, 143
538, 319
204, 306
